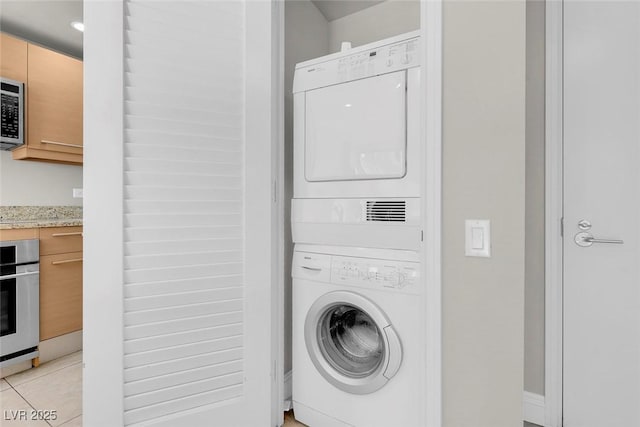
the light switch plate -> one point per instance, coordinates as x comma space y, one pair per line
477, 238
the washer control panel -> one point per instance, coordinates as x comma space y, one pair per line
374, 273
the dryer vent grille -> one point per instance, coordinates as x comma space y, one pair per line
386, 210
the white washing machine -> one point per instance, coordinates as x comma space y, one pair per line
358, 337
357, 146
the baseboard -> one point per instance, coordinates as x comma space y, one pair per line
287, 392
60, 346
533, 408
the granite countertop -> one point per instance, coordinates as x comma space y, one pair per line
12, 217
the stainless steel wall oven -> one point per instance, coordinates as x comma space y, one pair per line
19, 300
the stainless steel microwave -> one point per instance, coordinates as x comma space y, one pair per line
12, 112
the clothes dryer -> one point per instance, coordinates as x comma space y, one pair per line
357, 146
358, 337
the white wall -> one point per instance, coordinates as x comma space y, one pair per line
483, 178
383, 20
534, 240
306, 37
31, 183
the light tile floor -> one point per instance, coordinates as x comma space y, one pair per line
53, 386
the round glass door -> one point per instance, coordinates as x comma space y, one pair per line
351, 342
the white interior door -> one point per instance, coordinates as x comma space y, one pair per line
179, 170
601, 202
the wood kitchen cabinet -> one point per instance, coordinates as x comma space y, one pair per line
54, 107
13, 58
60, 277
60, 281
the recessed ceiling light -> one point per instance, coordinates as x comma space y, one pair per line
78, 25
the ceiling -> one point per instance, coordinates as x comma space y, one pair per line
46, 22
334, 9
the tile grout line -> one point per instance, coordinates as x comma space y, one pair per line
41, 376
36, 378
25, 400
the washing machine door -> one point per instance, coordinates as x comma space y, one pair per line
351, 342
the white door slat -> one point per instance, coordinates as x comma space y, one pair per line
184, 207
182, 351
161, 96
172, 42
181, 325
171, 247
170, 340
162, 220
180, 233
183, 272
140, 289
181, 259
193, 297
180, 391
154, 165
183, 377
181, 193
180, 125
173, 366
173, 86
186, 154
177, 181
169, 110
177, 405
153, 138
180, 312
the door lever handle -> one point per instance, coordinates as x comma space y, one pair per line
585, 240
594, 240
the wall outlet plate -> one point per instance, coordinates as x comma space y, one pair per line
78, 193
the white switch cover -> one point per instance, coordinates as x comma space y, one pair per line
77, 193
477, 238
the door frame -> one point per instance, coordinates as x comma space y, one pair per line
553, 213
431, 26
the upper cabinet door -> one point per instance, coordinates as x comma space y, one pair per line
54, 93
13, 58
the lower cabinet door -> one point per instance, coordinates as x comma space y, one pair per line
60, 294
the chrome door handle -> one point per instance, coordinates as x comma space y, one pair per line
585, 240
594, 240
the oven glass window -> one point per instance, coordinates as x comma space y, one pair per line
351, 341
7, 307
7, 257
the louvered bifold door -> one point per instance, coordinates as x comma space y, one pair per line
183, 207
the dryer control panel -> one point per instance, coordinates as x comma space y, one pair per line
387, 56
374, 272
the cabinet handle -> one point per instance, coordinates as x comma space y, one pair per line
63, 144
15, 276
66, 261
75, 233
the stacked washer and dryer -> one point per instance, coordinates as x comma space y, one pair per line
358, 336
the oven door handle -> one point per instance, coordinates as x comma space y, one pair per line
15, 276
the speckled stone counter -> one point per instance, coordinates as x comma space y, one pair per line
13, 217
